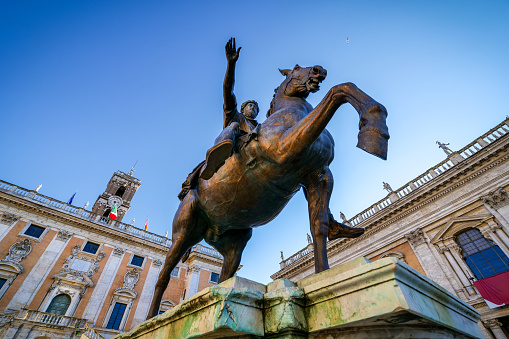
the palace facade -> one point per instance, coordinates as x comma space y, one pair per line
450, 223
66, 271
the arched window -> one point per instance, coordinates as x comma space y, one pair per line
107, 212
483, 257
59, 304
120, 191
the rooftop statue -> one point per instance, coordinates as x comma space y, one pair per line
266, 167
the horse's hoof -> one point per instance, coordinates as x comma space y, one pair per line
338, 230
216, 156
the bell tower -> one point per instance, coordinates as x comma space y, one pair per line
119, 191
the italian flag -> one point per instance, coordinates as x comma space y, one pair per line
113, 213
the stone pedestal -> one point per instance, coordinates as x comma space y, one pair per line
359, 299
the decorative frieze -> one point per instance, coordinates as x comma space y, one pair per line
64, 235
77, 267
19, 251
130, 280
416, 237
497, 198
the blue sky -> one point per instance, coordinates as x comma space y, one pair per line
90, 87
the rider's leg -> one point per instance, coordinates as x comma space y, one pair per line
318, 187
187, 232
231, 244
338, 230
222, 150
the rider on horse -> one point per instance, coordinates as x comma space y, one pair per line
236, 124
242, 126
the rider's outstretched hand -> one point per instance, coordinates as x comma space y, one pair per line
232, 54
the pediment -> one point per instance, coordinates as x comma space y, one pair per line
125, 293
455, 225
167, 303
74, 278
10, 267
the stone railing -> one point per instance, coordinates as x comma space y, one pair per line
50, 319
207, 250
301, 254
451, 161
81, 213
90, 333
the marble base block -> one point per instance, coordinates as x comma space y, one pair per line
358, 299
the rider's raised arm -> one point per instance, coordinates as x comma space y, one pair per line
230, 102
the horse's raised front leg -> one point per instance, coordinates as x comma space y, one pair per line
186, 232
318, 189
231, 244
373, 134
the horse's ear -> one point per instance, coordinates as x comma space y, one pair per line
285, 72
296, 68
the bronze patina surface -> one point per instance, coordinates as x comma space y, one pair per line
290, 149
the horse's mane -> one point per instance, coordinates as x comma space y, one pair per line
272, 104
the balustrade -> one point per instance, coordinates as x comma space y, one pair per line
50, 319
491, 136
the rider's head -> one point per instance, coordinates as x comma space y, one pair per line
250, 109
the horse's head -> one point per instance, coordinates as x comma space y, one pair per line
300, 81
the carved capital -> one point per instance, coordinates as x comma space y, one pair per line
492, 323
158, 263
193, 269
118, 251
497, 198
64, 235
456, 248
442, 248
486, 232
416, 237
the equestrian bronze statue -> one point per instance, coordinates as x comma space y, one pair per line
258, 176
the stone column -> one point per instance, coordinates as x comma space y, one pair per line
147, 293
494, 200
464, 273
494, 326
193, 273
488, 233
101, 289
497, 229
445, 251
417, 240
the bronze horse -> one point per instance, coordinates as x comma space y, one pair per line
292, 150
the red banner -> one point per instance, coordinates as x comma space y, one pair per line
495, 289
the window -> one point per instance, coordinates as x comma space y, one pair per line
120, 192
34, 231
175, 272
137, 260
59, 304
484, 258
116, 316
107, 213
2, 282
214, 277
90, 247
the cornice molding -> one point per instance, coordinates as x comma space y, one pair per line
398, 209
88, 226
